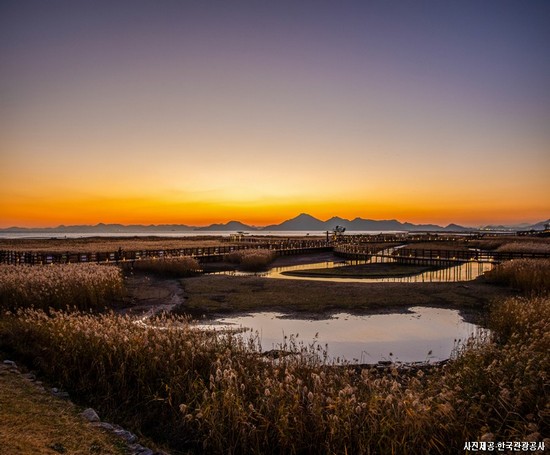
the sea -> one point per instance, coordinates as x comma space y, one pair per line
171, 234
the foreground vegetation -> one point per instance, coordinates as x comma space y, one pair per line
216, 393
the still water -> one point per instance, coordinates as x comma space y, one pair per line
464, 272
420, 335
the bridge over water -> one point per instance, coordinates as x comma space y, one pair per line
432, 256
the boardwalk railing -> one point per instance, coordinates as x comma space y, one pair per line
202, 254
284, 247
433, 256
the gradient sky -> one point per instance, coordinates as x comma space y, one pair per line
200, 111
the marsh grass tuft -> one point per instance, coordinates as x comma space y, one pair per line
252, 260
171, 267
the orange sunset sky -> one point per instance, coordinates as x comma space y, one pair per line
182, 112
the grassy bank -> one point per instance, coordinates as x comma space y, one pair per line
381, 270
215, 394
213, 294
35, 422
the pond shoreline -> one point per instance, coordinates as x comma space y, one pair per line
211, 296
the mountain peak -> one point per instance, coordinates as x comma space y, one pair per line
302, 222
304, 216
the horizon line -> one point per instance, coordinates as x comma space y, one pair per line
260, 227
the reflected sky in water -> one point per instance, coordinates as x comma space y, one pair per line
405, 337
464, 272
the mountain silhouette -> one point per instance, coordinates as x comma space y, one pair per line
302, 222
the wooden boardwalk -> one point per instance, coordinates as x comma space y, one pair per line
206, 254
280, 248
427, 256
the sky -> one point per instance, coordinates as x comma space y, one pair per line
196, 112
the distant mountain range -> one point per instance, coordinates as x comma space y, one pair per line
302, 222
305, 222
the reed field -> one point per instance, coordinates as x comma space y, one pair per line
526, 275
105, 245
524, 247
512, 244
214, 393
60, 286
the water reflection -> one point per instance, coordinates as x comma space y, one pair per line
423, 334
464, 272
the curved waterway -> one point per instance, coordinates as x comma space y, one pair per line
421, 334
464, 272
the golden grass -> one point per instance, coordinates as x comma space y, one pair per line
541, 246
501, 387
175, 267
60, 286
252, 259
526, 275
32, 422
512, 243
106, 244
214, 393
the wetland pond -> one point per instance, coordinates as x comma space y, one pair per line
463, 272
420, 334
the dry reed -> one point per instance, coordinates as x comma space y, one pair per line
252, 259
527, 275
176, 267
59, 286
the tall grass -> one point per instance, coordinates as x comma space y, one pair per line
541, 246
176, 267
214, 393
500, 388
109, 244
59, 286
252, 259
527, 275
